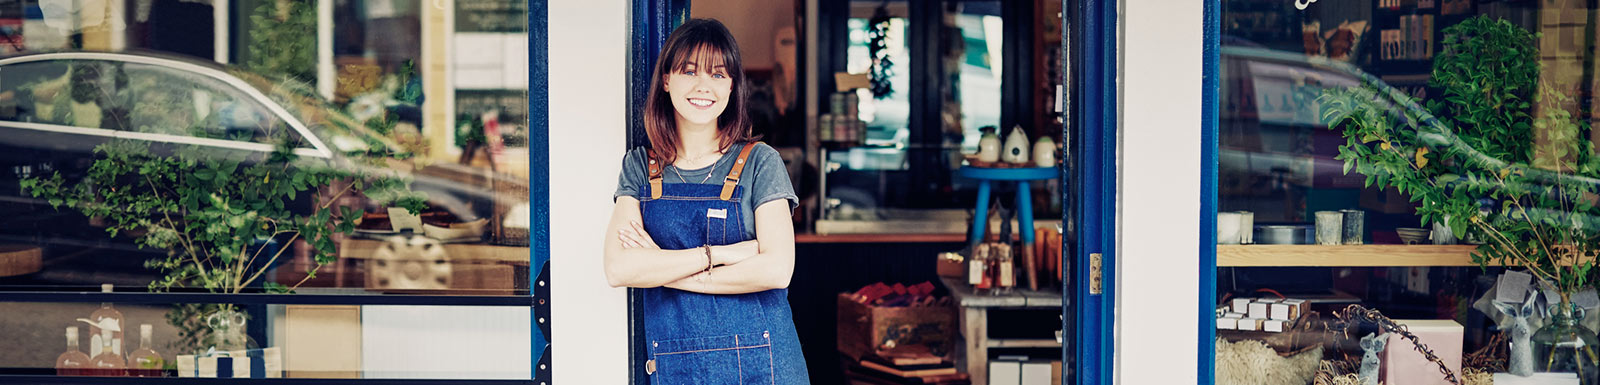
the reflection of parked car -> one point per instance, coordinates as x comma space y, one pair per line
55, 108
1270, 127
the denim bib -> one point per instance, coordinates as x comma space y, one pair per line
710, 338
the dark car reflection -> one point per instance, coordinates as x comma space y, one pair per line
55, 108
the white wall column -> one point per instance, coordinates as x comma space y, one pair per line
1158, 196
588, 112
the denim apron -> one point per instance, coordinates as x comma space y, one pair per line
708, 338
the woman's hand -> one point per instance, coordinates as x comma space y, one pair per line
633, 236
734, 253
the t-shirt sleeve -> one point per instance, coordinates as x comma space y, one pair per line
771, 178
632, 179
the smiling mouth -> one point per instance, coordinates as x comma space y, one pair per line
701, 102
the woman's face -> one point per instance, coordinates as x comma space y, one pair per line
700, 94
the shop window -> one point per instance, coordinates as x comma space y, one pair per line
1433, 160
270, 160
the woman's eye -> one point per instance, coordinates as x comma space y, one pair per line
719, 76
689, 72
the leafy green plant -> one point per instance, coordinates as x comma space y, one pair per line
1471, 160
213, 210
283, 39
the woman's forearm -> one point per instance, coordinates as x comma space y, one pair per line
646, 268
762, 272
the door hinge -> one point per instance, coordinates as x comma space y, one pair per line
1096, 280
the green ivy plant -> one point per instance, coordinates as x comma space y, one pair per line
1471, 160
213, 210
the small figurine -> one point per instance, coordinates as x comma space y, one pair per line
1521, 346
989, 145
1044, 152
1371, 345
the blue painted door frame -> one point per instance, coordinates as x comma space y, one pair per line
1209, 109
650, 22
1210, 71
539, 184
1092, 29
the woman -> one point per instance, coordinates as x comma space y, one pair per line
702, 225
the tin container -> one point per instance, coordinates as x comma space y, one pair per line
1355, 227
1282, 234
1330, 227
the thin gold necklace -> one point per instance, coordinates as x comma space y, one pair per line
680, 175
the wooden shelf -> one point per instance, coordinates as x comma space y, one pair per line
1022, 343
879, 238
1346, 255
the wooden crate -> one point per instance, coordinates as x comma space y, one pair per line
864, 329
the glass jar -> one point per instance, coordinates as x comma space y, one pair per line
1564, 345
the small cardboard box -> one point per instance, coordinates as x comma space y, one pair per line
1404, 365
1259, 310
1241, 305
1297, 307
864, 329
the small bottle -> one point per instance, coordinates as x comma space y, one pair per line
105, 311
978, 268
1005, 272
145, 362
73, 361
108, 362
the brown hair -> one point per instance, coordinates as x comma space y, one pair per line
698, 42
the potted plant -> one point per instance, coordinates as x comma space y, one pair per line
1498, 157
223, 218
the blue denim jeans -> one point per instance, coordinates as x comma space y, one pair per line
707, 338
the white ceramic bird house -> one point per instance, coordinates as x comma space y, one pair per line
1016, 147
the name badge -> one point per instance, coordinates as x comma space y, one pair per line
717, 213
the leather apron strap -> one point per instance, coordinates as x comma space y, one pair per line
655, 178
738, 169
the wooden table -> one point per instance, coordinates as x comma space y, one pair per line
975, 323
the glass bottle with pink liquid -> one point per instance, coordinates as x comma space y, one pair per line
108, 362
73, 361
145, 362
97, 318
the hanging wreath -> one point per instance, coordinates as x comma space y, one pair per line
878, 47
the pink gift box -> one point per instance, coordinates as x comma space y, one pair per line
1403, 364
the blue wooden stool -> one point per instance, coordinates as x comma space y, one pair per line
986, 176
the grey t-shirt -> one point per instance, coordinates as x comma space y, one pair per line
764, 180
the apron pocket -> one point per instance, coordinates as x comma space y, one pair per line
736, 359
717, 227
